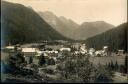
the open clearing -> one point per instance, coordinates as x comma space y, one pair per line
104, 60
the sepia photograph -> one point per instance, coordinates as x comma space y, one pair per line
64, 41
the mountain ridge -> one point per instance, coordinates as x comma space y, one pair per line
89, 29
58, 24
71, 29
21, 24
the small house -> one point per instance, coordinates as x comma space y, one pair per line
65, 49
120, 52
9, 47
106, 51
83, 49
92, 52
105, 48
99, 53
12, 49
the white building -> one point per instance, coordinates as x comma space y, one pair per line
29, 54
105, 51
77, 52
120, 52
9, 47
83, 49
92, 52
29, 51
12, 48
46, 53
65, 49
99, 53
38, 53
105, 47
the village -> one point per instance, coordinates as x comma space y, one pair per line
52, 50
48, 55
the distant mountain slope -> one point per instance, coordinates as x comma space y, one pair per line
115, 38
70, 23
23, 24
65, 26
71, 29
89, 29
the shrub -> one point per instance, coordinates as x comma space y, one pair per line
82, 70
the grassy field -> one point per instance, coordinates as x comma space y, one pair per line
104, 60
4, 56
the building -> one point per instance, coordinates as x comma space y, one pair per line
9, 47
76, 45
83, 49
65, 49
105, 48
103, 52
38, 53
92, 52
29, 53
120, 52
106, 51
76, 52
99, 53
12, 49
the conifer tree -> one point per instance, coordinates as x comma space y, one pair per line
116, 66
41, 60
126, 64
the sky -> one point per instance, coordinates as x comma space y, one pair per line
111, 11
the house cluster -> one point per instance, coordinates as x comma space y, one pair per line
103, 52
91, 51
55, 51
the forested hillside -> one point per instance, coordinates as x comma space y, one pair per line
115, 38
21, 24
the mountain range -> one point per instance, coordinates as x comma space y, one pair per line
89, 29
65, 26
71, 29
22, 24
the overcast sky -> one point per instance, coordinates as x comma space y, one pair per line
111, 11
